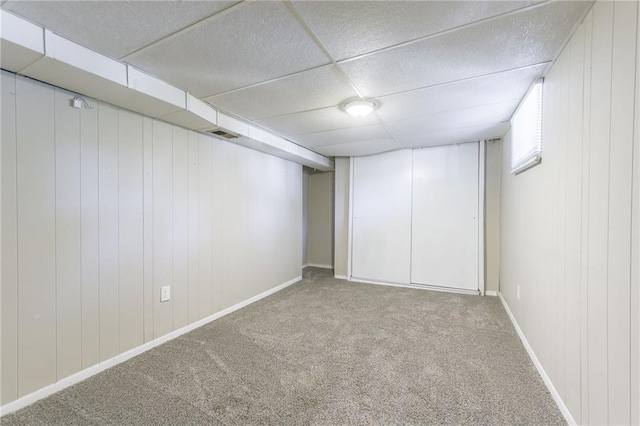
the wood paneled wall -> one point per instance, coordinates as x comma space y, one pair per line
101, 207
566, 223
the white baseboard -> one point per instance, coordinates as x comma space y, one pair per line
318, 265
490, 293
414, 286
341, 277
547, 381
93, 370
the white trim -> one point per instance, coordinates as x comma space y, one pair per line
547, 381
340, 277
481, 206
91, 371
350, 230
414, 286
491, 293
319, 265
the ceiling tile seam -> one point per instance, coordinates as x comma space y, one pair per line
445, 32
273, 80
186, 29
391, 136
260, 83
381, 98
290, 6
454, 128
253, 123
462, 80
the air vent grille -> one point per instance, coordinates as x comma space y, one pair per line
223, 134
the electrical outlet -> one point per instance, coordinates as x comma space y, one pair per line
518, 292
165, 293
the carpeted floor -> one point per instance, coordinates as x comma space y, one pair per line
325, 352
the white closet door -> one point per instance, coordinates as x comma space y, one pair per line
445, 216
381, 247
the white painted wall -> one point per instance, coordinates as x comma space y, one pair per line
320, 220
305, 214
566, 224
108, 207
492, 216
341, 216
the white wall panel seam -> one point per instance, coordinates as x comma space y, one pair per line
609, 203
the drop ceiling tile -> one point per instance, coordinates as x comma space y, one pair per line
350, 28
525, 38
254, 43
451, 136
472, 117
332, 137
491, 89
357, 148
115, 28
318, 120
317, 88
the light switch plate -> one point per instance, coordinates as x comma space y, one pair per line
165, 293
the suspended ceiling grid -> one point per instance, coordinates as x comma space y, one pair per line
442, 72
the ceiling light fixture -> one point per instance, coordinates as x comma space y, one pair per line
360, 107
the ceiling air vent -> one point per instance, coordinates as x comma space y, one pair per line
223, 134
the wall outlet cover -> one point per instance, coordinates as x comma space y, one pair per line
165, 293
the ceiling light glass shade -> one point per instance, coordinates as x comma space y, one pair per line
359, 108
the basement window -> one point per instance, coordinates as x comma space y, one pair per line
526, 131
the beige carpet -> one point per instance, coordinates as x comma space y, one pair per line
323, 351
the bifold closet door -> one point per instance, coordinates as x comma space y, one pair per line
381, 248
445, 232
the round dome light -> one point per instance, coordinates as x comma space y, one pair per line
359, 108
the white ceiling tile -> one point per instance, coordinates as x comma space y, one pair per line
424, 126
342, 136
516, 40
115, 28
350, 28
318, 120
317, 88
357, 148
254, 43
491, 89
451, 136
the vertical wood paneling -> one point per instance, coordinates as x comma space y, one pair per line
162, 225
147, 151
559, 213
36, 233
620, 187
180, 284
131, 228
193, 226
68, 259
102, 207
635, 248
89, 229
108, 224
204, 227
9, 258
572, 223
234, 225
588, 153
584, 261
217, 207
599, 210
